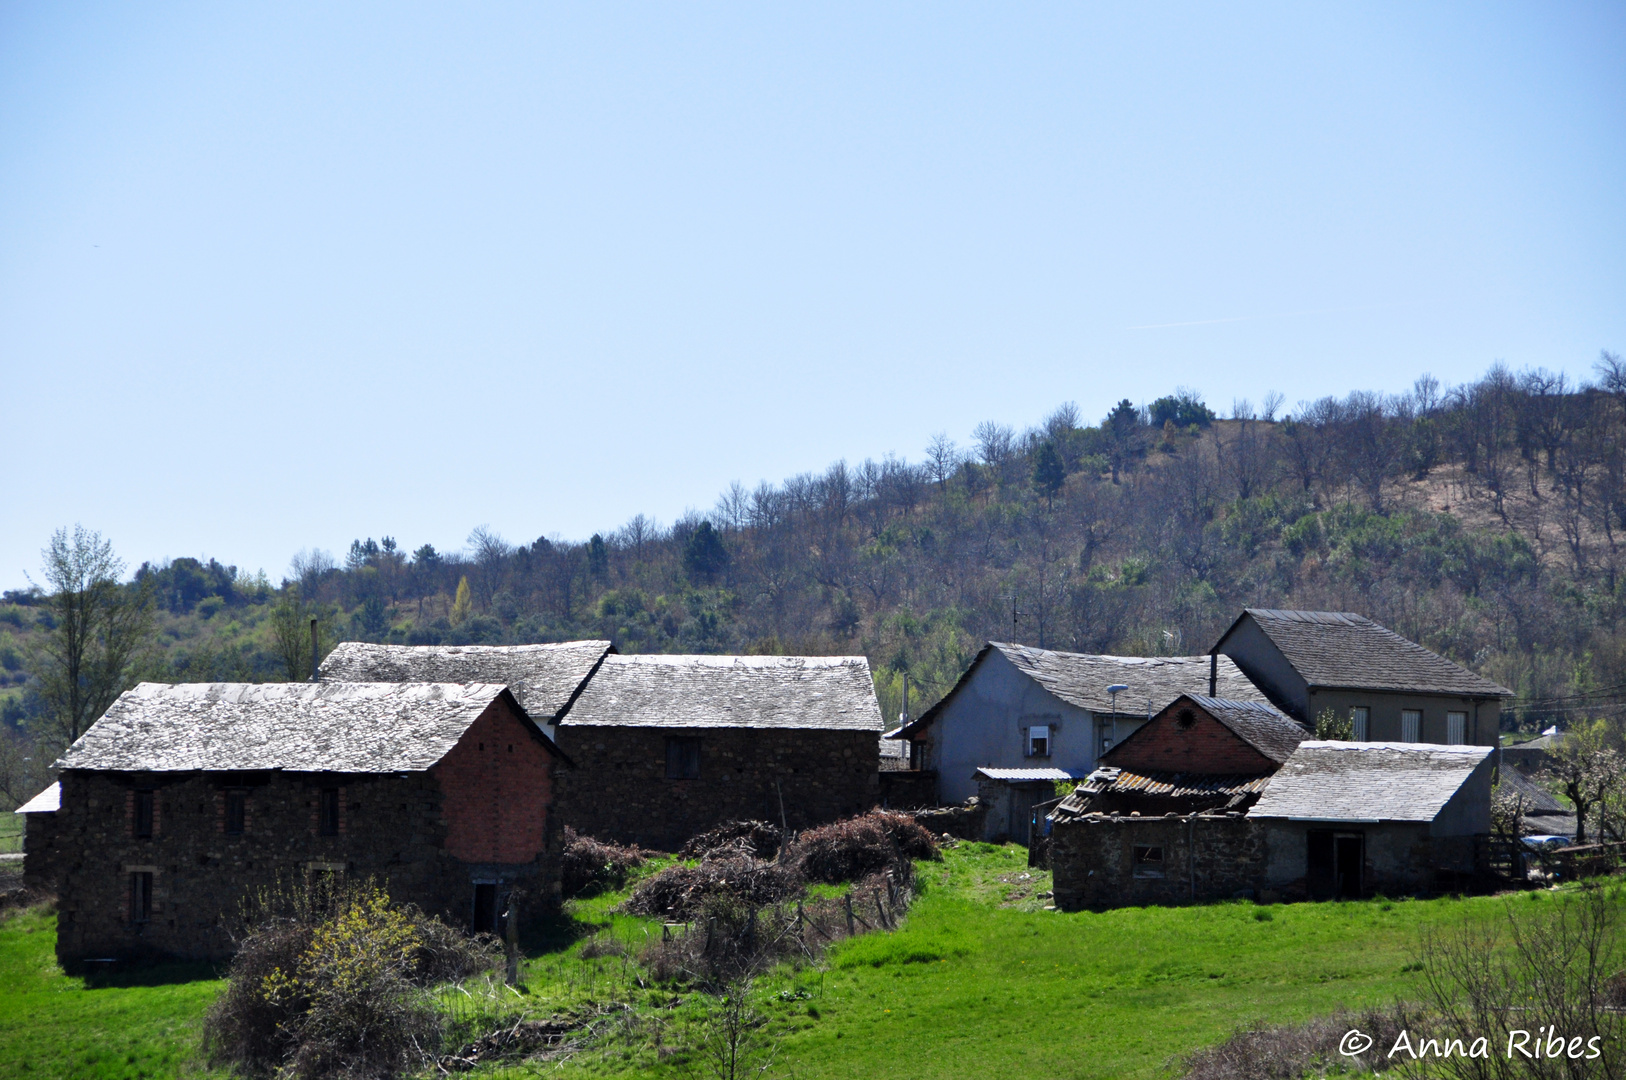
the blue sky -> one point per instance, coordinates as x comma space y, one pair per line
281, 276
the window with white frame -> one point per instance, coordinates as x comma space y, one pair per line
1411, 725
1360, 717
1039, 740
1456, 728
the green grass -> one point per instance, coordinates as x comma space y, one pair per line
52, 1025
11, 833
979, 979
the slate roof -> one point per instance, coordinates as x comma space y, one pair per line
48, 801
819, 692
1368, 781
1258, 723
1082, 679
302, 727
543, 677
1537, 799
1340, 649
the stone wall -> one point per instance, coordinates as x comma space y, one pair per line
909, 789
619, 790
41, 851
1094, 864
393, 829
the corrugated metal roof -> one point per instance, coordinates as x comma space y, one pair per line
543, 677
1163, 785
48, 801
1022, 775
305, 727
1368, 781
828, 692
1340, 649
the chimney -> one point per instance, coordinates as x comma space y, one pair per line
315, 653
1213, 674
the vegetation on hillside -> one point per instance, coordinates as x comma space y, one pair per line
1484, 520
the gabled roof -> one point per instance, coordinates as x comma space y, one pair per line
1258, 723
1082, 679
1538, 800
543, 677
299, 727
1343, 650
824, 692
48, 801
1368, 781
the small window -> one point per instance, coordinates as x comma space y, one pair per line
1456, 728
1148, 861
143, 815
1411, 725
236, 805
1360, 720
141, 896
1039, 741
682, 759
328, 815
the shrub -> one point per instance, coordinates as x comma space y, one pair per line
684, 891
591, 866
331, 982
857, 847
756, 838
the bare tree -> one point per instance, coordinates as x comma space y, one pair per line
103, 631
1272, 405
490, 553
995, 443
942, 459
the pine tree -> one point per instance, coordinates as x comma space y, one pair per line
1049, 474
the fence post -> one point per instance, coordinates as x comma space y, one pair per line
880, 910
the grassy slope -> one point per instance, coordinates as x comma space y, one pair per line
979, 979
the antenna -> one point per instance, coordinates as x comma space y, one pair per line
1014, 614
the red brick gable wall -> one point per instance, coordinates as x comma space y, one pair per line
498, 787
1208, 746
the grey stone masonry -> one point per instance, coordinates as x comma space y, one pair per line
1102, 862
390, 828
620, 789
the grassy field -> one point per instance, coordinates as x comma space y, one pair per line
980, 978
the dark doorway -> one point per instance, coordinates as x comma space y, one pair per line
485, 908
1349, 861
1320, 875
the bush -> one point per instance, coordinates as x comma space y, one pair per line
755, 838
685, 891
857, 847
591, 866
332, 983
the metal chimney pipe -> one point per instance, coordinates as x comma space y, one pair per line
903, 717
315, 654
1213, 674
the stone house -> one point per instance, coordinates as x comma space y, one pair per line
40, 845
1199, 753
1018, 707
1353, 818
1394, 690
668, 746
544, 678
1337, 819
183, 799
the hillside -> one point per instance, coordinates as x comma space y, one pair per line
1484, 521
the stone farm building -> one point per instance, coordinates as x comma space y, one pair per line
182, 799
1338, 819
1199, 753
1394, 690
1031, 714
668, 746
